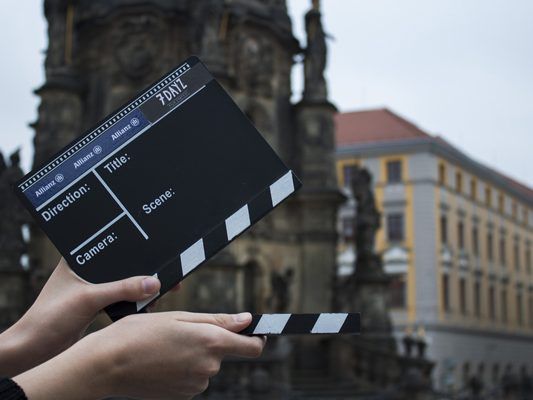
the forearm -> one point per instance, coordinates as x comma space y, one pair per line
13, 345
27, 344
78, 373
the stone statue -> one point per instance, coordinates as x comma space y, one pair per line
315, 56
136, 46
13, 278
281, 282
12, 215
367, 220
255, 64
408, 343
55, 55
365, 290
205, 38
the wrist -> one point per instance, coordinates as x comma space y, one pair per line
76, 373
98, 366
107, 363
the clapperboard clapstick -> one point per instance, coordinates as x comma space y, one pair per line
301, 324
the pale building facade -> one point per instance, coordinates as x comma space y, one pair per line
456, 238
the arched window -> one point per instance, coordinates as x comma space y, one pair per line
466, 373
495, 373
252, 288
481, 371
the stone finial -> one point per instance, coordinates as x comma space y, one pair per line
14, 158
315, 88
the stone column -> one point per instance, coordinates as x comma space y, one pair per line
58, 119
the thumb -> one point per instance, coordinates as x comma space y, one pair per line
231, 322
131, 289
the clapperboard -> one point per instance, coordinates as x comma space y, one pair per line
159, 186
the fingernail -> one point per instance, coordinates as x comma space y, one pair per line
150, 285
242, 317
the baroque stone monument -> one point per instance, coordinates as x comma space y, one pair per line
103, 52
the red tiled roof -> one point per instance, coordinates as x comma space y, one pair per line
373, 126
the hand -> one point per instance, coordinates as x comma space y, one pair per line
152, 356
66, 306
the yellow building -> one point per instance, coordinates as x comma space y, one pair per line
456, 237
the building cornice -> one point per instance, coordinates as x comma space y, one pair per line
481, 332
434, 146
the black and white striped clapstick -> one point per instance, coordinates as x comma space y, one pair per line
303, 324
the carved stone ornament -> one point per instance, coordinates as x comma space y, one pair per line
137, 44
255, 64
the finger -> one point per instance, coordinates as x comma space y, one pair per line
130, 289
234, 344
231, 322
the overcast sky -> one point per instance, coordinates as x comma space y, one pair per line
460, 69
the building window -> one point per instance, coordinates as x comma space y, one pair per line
527, 257
525, 216
490, 248
475, 241
516, 254
348, 172
504, 305
251, 283
466, 374
481, 371
347, 228
397, 291
519, 309
473, 189
445, 292
531, 311
458, 182
462, 295
501, 203
394, 171
443, 229
502, 250
495, 373
395, 230
477, 299
461, 235
442, 174
492, 303
515, 210
488, 196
